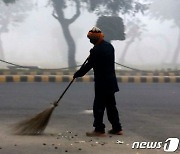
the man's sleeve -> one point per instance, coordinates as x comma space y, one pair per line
84, 69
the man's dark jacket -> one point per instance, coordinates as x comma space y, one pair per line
101, 59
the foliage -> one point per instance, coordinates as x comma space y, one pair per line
166, 10
9, 1
114, 7
13, 14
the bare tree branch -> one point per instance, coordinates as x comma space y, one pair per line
77, 12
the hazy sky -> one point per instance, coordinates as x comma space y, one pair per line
40, 41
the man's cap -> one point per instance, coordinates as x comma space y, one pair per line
95, 33
95, 30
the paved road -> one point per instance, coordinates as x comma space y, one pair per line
148, 112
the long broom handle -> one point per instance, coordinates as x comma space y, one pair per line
70, 83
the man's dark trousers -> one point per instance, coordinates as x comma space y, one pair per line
106, 101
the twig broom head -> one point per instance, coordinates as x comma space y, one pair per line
35, 125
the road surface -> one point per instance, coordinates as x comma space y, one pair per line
148, 112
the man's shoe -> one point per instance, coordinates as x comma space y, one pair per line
95, 134
115, 132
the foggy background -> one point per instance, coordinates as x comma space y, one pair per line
31, 36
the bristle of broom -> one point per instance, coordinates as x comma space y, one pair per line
35, 125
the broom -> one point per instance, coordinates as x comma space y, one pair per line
37, 124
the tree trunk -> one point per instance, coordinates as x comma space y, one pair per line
128, 44
70, 43
65, 23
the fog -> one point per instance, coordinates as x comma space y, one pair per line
39, 41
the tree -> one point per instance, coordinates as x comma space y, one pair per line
58, 14
135, 30
12, 14
100, 7
168, 10
115, 29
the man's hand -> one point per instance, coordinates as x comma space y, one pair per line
76, 75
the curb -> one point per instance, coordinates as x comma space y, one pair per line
67, 72
87, 78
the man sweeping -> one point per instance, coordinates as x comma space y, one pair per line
101, 59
